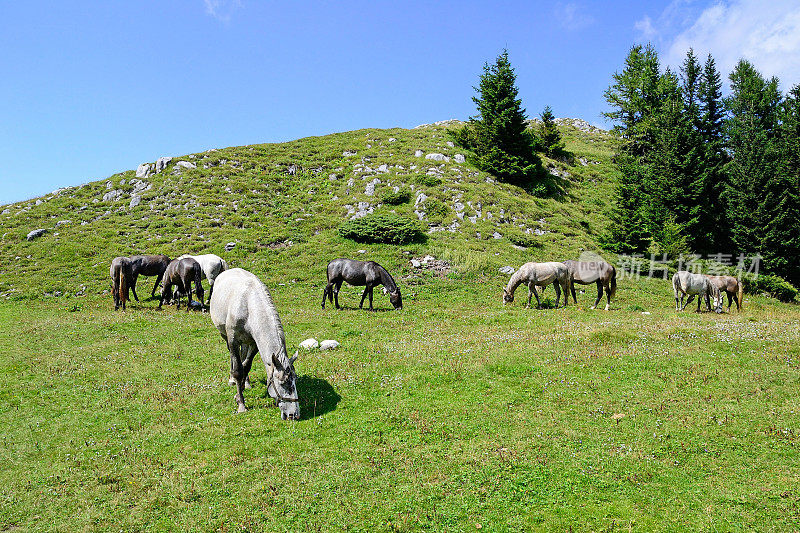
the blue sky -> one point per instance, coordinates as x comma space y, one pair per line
92, 88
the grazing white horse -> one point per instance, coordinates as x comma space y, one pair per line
541, 274
243, 312
212, 266
684, 283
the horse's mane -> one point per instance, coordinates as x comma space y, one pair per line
386, 279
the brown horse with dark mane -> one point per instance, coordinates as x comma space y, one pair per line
148, 265
121, 276
730, 286
181, 273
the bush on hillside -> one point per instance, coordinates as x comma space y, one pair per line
402, 196
774, 286
384, 228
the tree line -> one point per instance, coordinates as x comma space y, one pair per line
704, 173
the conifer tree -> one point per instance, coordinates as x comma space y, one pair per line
549, 136
497, 137
751, 131
780, 245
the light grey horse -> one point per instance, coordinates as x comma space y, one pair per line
586, 272
685, 283
212, 266
243, 312
542, 275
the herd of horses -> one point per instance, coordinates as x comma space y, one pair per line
242, 309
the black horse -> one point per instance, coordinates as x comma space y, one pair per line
148, 265
181, 273
359, 273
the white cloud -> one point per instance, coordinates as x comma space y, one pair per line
571, 16
645, 27
222, 9
766, 34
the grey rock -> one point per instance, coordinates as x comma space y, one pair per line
63, 223
421, 197
39, 202
370, 189
143, 170
135, 200
162, 162
415, 263
418, 153
328, 344
459, 158
496, 235
230, 246
309, 344
437, 157
507, 270
348, 153
184, 164
450, 144
35, 234
110, 196
6, 211
384, 168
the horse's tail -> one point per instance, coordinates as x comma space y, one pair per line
739, 293
612, 283
123, 287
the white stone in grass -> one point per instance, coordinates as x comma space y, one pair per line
328, 344
415, 263
507, 270
418, 153
309, 344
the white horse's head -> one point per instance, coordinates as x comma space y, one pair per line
282, 387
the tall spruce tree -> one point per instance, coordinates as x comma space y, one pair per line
780, 244
709, 227
497, 137
751, 131
634, 98
549, 136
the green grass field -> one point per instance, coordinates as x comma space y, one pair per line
455, 414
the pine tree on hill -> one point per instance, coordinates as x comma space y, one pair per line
497, 137
751, 131
549, 136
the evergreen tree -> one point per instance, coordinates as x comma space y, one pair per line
497, 137
780, 245
751, 131
709, 227
633, 97
549, 136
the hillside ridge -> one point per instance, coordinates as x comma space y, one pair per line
264, 196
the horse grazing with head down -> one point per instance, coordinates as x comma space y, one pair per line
243, 312
359, 273
685, 283
181, 273
148, 265
731, 286
212, 266
121, 276
541, 275
586, 272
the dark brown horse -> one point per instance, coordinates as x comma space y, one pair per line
120, 278
730, 286
181, 273
148, 265
587, 272
359, 273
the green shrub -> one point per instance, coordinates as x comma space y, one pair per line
775, 286
382, 228
519, 238
396, 198
436, 210
427, 181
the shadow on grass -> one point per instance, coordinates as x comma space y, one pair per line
317, 397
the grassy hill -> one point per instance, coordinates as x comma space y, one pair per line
265, 196
456, 413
